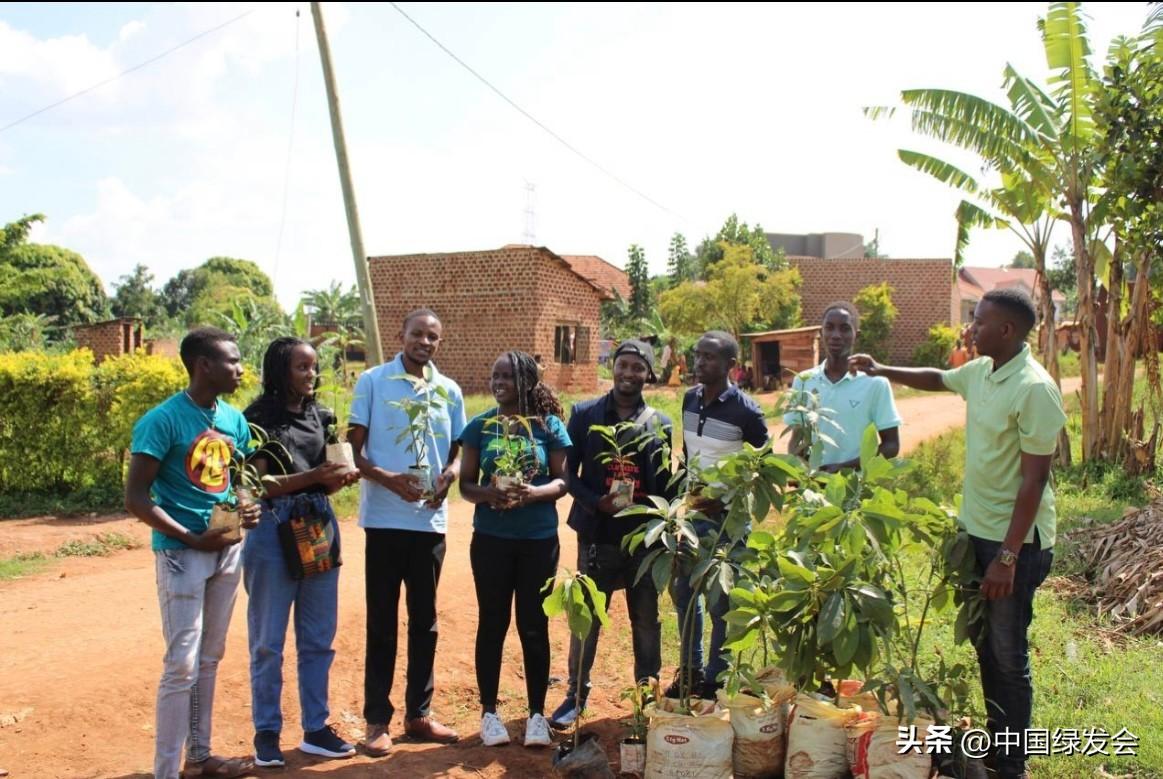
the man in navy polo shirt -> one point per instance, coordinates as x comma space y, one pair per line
717, 419
404, 530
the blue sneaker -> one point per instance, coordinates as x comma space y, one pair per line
325, 742
266, 750
566, 714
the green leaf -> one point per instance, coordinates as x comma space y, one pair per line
554, 602
845, 645
831, 618
787, 600
660, 573
961, 625
869, 446
790, 570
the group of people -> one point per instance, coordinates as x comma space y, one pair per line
179, 471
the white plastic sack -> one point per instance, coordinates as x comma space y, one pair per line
816, 741
873, 752
760, 735
693, 746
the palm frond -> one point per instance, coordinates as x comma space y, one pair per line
970, 215
971, 122
1031, 103
943, 171
1067, 56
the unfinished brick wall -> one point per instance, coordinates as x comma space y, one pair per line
109, 339
923, 292
490, 302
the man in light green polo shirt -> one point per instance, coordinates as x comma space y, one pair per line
849, 400
1013, 419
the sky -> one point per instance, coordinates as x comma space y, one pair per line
693, 112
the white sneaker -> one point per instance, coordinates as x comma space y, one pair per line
493, 732
537, 732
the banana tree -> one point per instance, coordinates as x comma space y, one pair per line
1042, 145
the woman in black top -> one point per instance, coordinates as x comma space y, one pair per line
292, 557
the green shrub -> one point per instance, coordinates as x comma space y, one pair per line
935, 351
65, 424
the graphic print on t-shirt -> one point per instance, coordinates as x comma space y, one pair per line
206, 462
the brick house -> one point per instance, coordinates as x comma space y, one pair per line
111, 338
923, 292
515, 297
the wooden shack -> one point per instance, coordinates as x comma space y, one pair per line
778, 355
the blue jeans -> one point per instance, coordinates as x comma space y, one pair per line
196, 592
272, 591
1004, 652
692, 643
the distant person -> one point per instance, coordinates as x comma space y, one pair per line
178, 472
960, 355
514, 548
1015, 413
852, 400
295, 508
967, 342
749, 379
404, 523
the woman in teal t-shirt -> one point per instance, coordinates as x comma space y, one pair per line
514, 544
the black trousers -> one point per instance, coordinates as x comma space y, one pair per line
414, 559
504, 569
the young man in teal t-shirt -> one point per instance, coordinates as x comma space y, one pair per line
849, 401
177, 474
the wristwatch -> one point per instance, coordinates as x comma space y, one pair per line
1006, 557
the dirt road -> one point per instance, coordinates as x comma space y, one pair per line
81, 655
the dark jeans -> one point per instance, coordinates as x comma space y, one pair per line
504, 569
682, 594
1004, 652
612, 569
411, 558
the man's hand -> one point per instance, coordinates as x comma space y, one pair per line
404, 485
999, 581
249, 512
864, 362
211, 541
608, 504
443, 484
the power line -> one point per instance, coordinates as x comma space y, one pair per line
136, 67
537, 121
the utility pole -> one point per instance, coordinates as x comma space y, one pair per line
371, 327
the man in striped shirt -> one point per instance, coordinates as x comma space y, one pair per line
717, 419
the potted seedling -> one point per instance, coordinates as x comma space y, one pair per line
515, 461
419, 411
622, 440
579, 599
338, 448
246, 483
632, 749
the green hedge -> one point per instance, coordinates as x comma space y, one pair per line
65, 423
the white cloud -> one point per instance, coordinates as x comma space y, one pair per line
60, 65
130, 29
